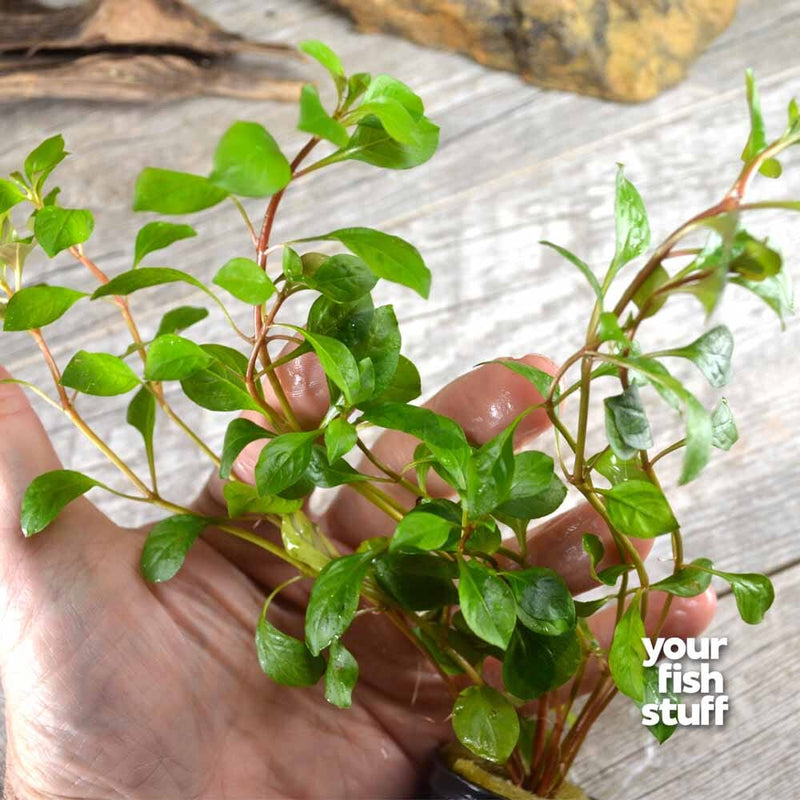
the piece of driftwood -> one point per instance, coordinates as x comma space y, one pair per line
628, 50
129, 50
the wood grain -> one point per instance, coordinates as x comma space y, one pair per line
516, 165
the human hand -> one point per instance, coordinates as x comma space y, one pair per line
116, 688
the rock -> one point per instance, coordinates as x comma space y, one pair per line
628, 50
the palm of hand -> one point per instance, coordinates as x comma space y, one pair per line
116, 688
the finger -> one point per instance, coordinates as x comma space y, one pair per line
305, 386
484, 402
558, 544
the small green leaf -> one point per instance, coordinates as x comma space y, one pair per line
283, 658
688, 581
422, 530
593, 547
169, 192
246, 281
242, 498
42, 160
725, 434
627, 428
490, 473
343, 278
292, 265
57, 229
615, 470
340, 438
392, 116
418, 581
544, 603
341, 676
643, 295
487, 603
380, 344
334, 599
99, 374
639, 508
633, 229
627, 654
239, 434
141, 415
609, 330
581, 265
48, 494
323, 54
181, 318
661, 730
37, 306
535, 664
711, 354
757, 141
538, 377
754, 260
535, 490
10, 195
158, 235
486, 723
248, 162
167, 545
314, 119
143, 278
219, 388
337, 362
283, 461
173, 358
304, 541
389, 257
404, 386
754, 594
443, 436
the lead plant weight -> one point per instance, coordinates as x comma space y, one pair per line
453, 576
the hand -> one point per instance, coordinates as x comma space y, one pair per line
116, 688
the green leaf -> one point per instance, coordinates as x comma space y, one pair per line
141, 415
754, 594
535, 490
609, 330
37, 306
341, 676
143, 278
541, 380
314, 119
334, 599
775, 291
248, 162
490, 473
753, 259
544, 603
173, 358
283, 461
239, 434
372, 144
218, 388
688, 581
392, 116
404, 386
242, 498
157, 235
283, 658
627, 654
627, 428
633, 229
725, 433
642, 296
340, 438
487, 603
292, 265
343, 278
380, 344
180, 318
337, 362
326, 476
389, 257
323, 54
304, 541
417, 581
422, 530
10, 195
167, 545
581, 265
615, 470
486, 723
757, 141
639, 508
48, 494
99, 374
593, 547
661, 730
443, 436
246, 281
169, 192
711, 354
42, 160
57, 229
535, 664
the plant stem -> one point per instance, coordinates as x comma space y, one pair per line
399, 479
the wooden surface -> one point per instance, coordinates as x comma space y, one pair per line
516, 165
